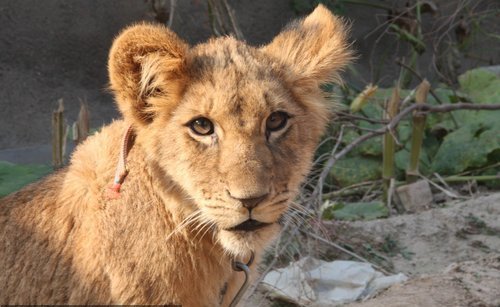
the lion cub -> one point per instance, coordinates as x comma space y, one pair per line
222, 136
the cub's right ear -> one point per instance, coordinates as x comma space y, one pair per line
147, 71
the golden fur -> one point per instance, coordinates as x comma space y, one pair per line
167, 239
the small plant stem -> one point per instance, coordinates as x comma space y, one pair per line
469, 178
173, 4
346, 251
369, 3
389, 144
58, 136
412, 62
222, 19
417, 134
351, 190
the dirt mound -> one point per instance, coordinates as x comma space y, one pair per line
429, 241
470, 283
453, 253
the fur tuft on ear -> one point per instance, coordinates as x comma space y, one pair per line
314, 49
146, 70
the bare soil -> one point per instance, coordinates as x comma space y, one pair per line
469, 283
451, 254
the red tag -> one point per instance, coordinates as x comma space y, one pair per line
113, 191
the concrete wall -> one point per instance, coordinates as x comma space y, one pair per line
55, 49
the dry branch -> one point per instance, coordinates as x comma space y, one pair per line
222, 19
390, 126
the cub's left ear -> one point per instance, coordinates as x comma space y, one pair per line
314, 50
147, 71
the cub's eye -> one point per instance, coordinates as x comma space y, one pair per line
201, 126
276, 121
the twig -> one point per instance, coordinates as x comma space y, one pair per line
449, 193
457, 106
232, 19
407, 99
222, 19
269, 267
469, 178
430, 89
420, 78
390, 126
318, 190
355, 187
462, 174
346, 251
369, 4
171, 14
367, 119
443, 182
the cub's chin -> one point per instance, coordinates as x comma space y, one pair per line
241, 243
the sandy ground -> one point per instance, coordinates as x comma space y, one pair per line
467, 284
451, 254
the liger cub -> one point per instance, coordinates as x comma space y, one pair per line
155, 208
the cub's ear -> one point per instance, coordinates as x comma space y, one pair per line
147, 71
314, 50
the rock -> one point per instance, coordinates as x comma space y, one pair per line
415, 197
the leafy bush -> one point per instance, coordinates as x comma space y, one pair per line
454, 142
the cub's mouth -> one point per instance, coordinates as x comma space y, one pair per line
249, 225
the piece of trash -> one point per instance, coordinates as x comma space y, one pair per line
314, 282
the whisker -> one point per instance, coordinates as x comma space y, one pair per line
210, 227
188, 220
204, 225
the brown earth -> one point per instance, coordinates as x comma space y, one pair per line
450, 253
469, 283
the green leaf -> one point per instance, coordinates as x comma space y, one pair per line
373, 146
13, 177
355, 169
402, 160
482, 85
404, 130
467, 147
355, 211
372, 110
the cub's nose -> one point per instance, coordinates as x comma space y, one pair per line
250, 202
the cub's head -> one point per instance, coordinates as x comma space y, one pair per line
233, 126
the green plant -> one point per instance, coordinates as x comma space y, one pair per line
13, 177
422, 145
